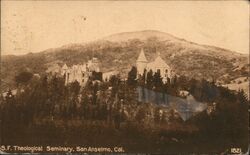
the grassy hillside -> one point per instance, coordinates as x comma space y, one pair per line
120, 51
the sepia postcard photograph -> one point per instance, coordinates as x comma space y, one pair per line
109, 77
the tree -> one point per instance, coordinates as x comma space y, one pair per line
149, 79
141, 79
141, 114
115, 82
95, 90
195, 89
45, 81
174, 81
75, 87
157, 80
117, 119
157, 115
23, 77
132, 76
183, 82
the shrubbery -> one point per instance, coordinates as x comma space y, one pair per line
54, 113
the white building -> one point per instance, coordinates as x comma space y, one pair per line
80, 73
157, 65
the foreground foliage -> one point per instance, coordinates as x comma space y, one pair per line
47, 112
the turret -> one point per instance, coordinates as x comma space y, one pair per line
64, 69
141, 62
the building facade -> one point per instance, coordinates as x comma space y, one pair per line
158, 65
80, 73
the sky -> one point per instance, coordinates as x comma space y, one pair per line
34, 26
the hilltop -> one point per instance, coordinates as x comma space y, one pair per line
120, 51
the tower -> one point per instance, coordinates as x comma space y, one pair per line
141, 63
93, 65
65, 73
96, 64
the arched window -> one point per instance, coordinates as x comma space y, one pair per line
166, 73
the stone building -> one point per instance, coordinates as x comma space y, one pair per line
158, 65
81, 72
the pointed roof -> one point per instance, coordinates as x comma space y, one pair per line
65, 67
142, 57
158, 63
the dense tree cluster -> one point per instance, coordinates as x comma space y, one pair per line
113, 104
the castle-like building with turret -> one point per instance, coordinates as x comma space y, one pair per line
80, 73
158, 65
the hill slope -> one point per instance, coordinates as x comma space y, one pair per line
120, 51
